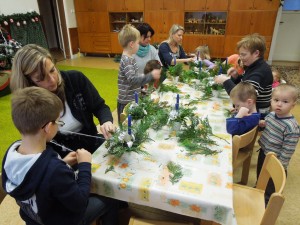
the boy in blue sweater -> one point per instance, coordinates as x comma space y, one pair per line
243, 97
45, 187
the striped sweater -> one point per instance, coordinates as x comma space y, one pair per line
129, 80
281, 136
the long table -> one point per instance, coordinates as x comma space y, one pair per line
204, 191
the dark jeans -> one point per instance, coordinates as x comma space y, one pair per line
101, 207
270, 189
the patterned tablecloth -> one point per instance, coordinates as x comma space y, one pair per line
204, 191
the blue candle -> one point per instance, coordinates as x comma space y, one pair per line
136, 97
177, 99
226, 61
129, 124
174, 60
198, 53
220, 71
200, 65
176, 106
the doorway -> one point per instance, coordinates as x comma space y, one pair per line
54, 24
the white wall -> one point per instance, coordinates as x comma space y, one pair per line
70, 13
287, 45
18, 6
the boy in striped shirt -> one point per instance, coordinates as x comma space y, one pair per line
281, 133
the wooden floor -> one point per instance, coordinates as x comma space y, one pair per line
288, 215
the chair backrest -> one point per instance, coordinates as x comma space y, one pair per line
272, 168
246, 140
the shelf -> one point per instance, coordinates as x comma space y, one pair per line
205, 23
118, 20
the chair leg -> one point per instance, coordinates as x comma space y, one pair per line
246, 169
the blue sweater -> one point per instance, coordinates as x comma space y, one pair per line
238, 126
46, 188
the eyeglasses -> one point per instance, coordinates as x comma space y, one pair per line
58, 122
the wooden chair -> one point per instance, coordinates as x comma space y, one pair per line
138, 221
249, 203
242, 148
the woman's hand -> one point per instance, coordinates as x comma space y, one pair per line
220, 79
232, 72
107, 128
71, 158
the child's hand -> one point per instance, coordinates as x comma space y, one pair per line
71, 158
232, 72
262, 123
83, 156
242, 112
156, 73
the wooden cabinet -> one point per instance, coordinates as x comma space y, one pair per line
125, 5
161, 15
94, 43
220, 24
162, 21
206, 5
115, 45
90, 5
254, 5
96, 22
215, 44
154, 5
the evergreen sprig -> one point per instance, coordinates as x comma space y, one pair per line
117, 146
196, 137
175, 172
167, 88
175, 71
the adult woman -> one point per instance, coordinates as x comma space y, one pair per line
170, 51
146, 51
33, 66
258, 73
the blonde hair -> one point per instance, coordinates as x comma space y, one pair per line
127, 34
30, 60
292, 90
276, 74
33, 107
253, 42
243, 91
174, 29
203, 52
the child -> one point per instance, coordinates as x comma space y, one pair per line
237, 68
45, 187
281, 133
150, 66
202, 53
129, 81
276, 78
243, 96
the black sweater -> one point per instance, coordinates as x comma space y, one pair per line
84, 102
259, 74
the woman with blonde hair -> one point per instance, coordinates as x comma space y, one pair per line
170, 51
34, 66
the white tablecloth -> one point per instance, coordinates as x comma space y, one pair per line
204, 191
